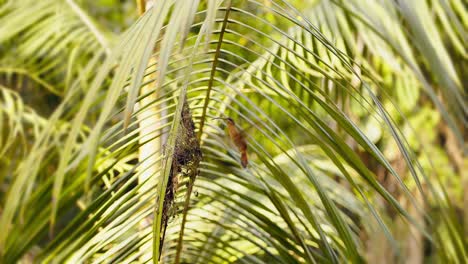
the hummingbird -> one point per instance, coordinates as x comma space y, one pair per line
238, 138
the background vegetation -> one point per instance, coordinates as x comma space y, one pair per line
353, 113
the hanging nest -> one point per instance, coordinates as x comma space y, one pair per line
185, 161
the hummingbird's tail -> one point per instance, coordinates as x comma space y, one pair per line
244, 160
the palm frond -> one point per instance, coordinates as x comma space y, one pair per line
325, 97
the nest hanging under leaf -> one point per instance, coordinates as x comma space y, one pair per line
185, 161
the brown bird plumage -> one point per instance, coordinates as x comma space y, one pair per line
239, 140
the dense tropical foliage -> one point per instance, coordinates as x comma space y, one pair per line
116, 145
